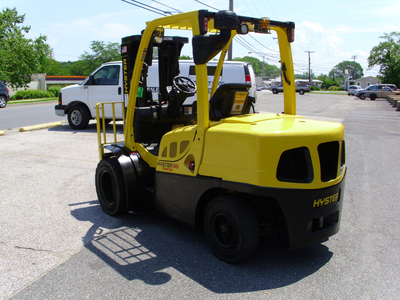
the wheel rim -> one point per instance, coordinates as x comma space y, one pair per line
107, 189
224, 231
76, 117
2, 102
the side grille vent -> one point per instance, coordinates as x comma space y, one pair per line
328, 158
295, 166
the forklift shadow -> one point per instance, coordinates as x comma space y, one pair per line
91, 128
145, 244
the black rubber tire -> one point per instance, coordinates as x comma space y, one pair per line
231, 229
3, 101
301, 92
372, 97
78, 117
275, 91
110, 187
362, 97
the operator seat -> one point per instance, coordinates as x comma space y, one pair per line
228, 100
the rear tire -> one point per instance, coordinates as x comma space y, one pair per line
78, 117
372, 97
3, 101
362, 96
110, 187
274, 91
231, 229
301, 92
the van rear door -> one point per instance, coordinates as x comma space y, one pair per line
251, 79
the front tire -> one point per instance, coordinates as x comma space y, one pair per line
274, 91
301, 92
78, 117
231, 229
110, 187
362, 96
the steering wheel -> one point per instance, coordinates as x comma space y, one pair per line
184, 85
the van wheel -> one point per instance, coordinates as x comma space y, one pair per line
231, 229
78, 117
110, 187
372, 97
301, 92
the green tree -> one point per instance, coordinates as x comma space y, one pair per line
387, 56
20, 57
259, 67
353, 68
100, 53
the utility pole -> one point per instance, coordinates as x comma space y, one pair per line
354, 67
309, 66
230, 46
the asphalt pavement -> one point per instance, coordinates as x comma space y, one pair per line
55, 241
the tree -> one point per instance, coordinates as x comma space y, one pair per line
387, 56
354, 69
100, 53
20, 57
259, 66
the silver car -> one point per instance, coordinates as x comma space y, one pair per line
353, 89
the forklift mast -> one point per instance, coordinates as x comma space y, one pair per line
168, 52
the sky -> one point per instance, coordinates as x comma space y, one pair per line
331, 31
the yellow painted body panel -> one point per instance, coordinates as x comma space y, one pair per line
178, 150
247, 148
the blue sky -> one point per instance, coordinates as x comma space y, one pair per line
334, 30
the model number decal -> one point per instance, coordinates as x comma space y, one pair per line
167, 166
326, 200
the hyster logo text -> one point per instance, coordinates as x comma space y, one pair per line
326, 200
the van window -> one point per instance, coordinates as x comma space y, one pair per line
210, 70
108, 75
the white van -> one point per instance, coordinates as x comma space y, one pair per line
105, 84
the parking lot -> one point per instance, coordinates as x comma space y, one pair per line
55, 241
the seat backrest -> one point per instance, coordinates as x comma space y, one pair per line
228, 100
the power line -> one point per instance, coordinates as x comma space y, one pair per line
147, 7
262, 44
206, 5
177, 10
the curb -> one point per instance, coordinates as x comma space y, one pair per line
40, 126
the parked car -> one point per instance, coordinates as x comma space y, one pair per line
353, 89
378, 91
4, 95
301, 89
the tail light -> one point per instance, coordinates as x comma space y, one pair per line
248, 79
205, 24
292, 34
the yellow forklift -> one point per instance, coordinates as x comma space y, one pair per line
216, 164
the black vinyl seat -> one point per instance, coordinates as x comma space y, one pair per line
228, 100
